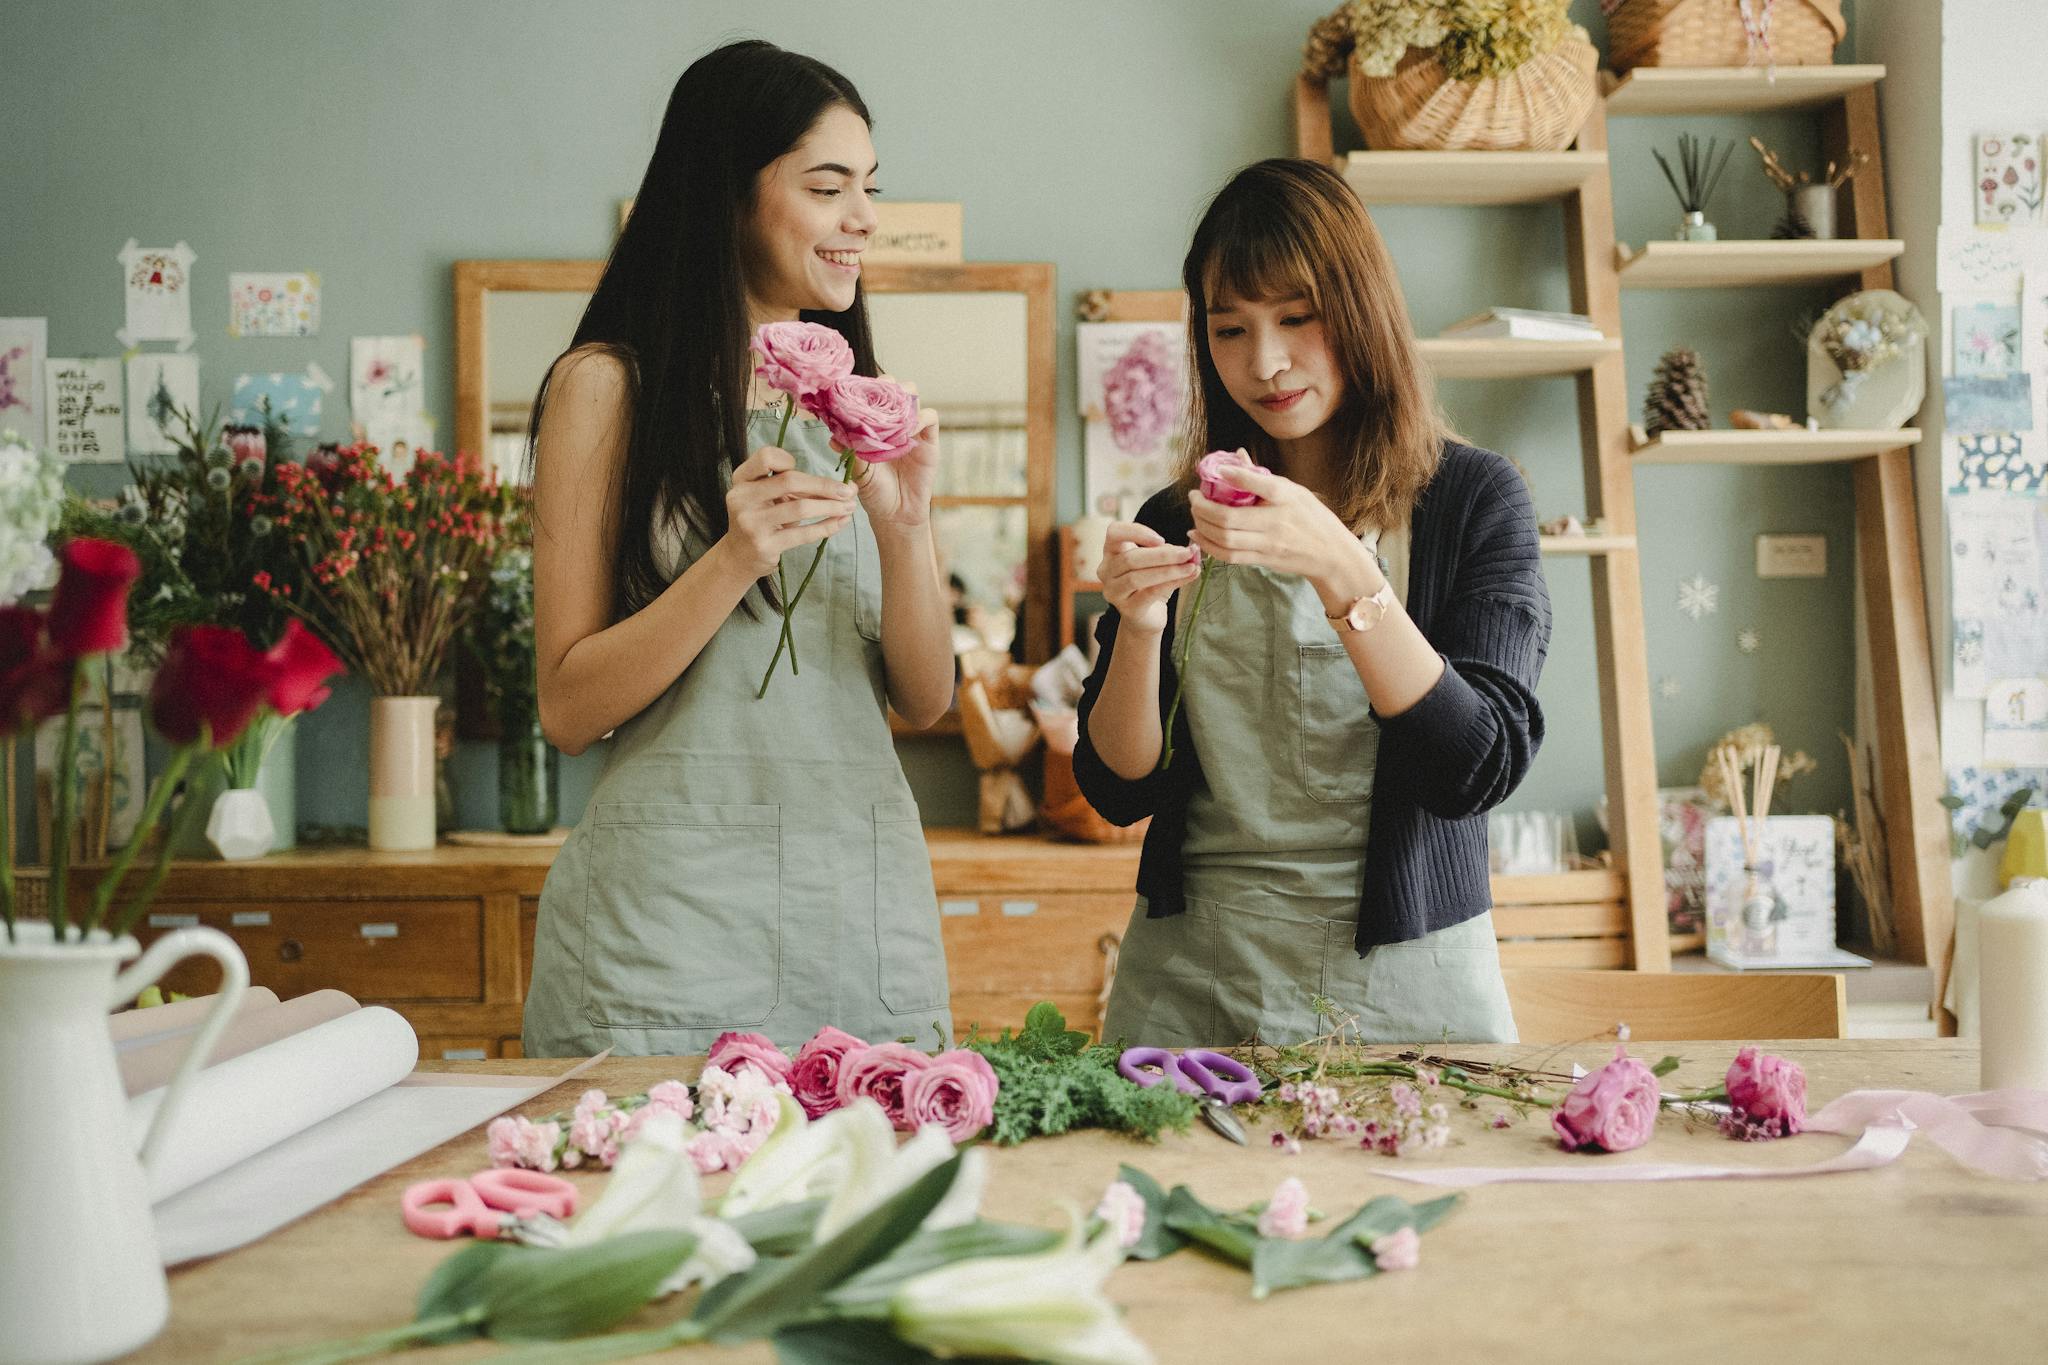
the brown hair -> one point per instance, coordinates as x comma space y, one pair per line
1287, 227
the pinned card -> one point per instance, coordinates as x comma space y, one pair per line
387, 393
295, 400
86, 411
2016, 722
158, 283
273, 304
23, 342
156, 379
1975, 404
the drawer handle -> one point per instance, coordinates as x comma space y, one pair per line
463, 1054
290, 951
174, 921
1017, 908
250, 919
950, 908
377, 930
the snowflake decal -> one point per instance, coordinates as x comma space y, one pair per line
1697, 597
1668, 688
1748, 641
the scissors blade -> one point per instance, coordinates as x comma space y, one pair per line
1217, 1115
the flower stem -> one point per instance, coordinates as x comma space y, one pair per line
789, 603
110, 880
60, 827
187, 816
1180, 666
372, 1344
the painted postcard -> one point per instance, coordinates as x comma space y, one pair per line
273, 304
1986, 338
2008, 178
154, 378
158, 284
1977, 404
1133, 388
295, 400
24, 344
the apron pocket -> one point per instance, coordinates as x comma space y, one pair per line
683, 916
910, 956
1339, 742
1442, 987
1164, 992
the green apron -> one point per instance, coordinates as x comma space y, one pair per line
1274, 855
750, 864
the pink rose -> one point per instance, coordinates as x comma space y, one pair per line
1612, 1109
876, 419
1767, 1093
1209, 469
1398, 1250
882, 1073
800, 358
732, 1049
814, 1076
956, 1090
1286, 1213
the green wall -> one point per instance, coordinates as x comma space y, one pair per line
376, 143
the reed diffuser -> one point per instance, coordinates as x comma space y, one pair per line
1759, 904
1700, 167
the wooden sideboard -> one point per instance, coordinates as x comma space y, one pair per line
445, 937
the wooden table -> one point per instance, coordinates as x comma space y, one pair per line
1918, 1261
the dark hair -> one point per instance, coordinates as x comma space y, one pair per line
671, 305
1287, 227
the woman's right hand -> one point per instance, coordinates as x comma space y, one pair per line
1140, 571
769, 502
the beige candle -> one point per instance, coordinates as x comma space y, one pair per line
2012, 946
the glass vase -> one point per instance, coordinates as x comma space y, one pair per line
527, 776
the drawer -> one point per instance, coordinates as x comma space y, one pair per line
372, 949
1044, 947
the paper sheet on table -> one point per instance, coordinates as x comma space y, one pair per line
154, 1061
269, 1136
138, 1028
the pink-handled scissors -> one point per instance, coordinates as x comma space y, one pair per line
493, 1203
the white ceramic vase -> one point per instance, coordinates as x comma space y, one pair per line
239, 825
80, 1276
402, 772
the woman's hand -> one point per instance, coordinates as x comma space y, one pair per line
772, 507
899, 492
1140, 571
1291, 531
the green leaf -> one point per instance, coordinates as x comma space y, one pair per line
846, 1343
546, 1295
1158, 1239
1231, 1238
929, 1250
1952, 802
456, 1285
1346, 1252
1047, 1027
780, 1231
1666, 1066
762, 1301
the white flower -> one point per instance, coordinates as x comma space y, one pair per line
31, 497
1047, 1306
654, 1188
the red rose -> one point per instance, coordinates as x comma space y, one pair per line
89, 611
211, 677
35, 680
298, 664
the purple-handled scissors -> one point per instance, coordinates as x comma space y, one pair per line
1216, 1080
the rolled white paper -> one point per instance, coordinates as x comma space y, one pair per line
2012, 947
254, 1101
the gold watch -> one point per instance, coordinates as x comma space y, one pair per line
1367, 611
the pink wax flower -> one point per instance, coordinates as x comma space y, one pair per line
814, 1075
956, 1090
1613, 1109
875, 419
1398, 1250
800, 358
733, 1049
1141, 394
1209, 469
882, 1073
1286, 1213
1768, 1095
1123, 1210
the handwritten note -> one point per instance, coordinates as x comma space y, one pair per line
85, 411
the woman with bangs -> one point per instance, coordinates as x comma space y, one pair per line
1361, 687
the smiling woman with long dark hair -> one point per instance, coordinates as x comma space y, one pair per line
744, 863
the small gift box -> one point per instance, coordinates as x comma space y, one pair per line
1775, 908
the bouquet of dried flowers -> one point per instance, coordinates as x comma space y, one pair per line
1745, 747
1863, 333
1474, 39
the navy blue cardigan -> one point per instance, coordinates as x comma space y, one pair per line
1476, 591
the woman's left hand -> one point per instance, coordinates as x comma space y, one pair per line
899, 493
1290, 531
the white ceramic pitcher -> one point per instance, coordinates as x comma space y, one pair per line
80, 1276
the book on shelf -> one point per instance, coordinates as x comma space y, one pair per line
1525, 324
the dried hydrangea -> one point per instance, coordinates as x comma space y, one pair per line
1475, 39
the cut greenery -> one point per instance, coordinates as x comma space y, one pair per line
1052, 1080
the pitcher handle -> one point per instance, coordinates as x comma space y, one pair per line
162, 955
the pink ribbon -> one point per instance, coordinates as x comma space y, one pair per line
1990, 1132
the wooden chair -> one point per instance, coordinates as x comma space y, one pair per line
1560, 1006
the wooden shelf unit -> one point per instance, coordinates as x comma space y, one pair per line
1797, 446
1504, 358
1468, 177
1586, 545
1660, 90
1734, 265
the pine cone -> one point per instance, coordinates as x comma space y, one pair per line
1329, 45
1677, 398
1792, 227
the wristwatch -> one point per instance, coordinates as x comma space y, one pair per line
1367, 611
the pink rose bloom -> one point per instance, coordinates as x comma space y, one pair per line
876, 419
814, 1076
800, 358
1399, 1250
882, 1073
672, 1096
1286, 1213
1769, 1092
732, 1049
956, 1090
1209, 469
1123, 1210
1612, 1109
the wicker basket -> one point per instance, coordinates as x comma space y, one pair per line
1712, 33
1539, 106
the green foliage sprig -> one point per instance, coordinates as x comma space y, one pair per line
1053, 1080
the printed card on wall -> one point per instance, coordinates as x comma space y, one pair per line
85, 411
158, 281
273, 303
2002, 462
1987, 338
128, 791
1133, 394
1978, 796
177, 376
2016, 722
2008, 178
1978, 403
1781, 911
1996, 579
295, 399
387, 394
23, 344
